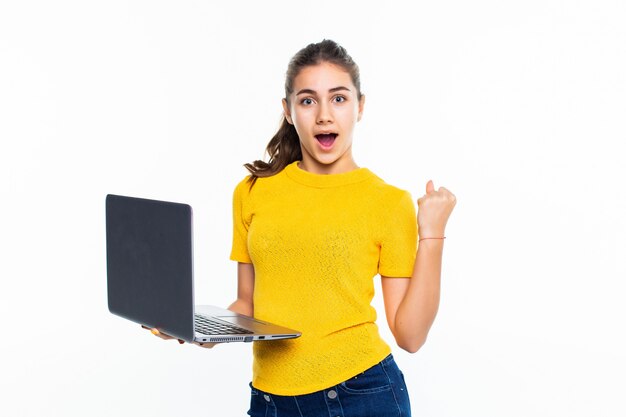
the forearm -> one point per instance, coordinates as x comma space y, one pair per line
242, 306
416, 313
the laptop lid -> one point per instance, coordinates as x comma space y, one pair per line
150, 263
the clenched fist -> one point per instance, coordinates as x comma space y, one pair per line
434, 209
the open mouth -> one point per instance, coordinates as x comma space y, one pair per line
326, 140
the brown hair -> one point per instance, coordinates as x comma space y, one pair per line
284, 147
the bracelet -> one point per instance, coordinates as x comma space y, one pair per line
424, 238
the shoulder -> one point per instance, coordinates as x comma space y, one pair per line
388, 192
247, 188
243, 187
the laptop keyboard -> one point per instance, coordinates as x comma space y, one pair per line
208, 325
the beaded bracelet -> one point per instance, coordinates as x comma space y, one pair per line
424, 238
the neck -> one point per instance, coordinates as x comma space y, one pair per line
323, 169
340, 166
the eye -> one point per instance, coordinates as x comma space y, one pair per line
339, 99
306, 101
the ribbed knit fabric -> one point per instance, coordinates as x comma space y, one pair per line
316, 242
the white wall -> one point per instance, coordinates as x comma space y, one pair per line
517, 107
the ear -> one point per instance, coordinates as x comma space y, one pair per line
286, 112
361, 105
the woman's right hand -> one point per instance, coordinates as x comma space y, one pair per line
164, 336
160, 334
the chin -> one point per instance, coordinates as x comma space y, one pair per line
327, 160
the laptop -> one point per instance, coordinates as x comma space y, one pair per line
150, 275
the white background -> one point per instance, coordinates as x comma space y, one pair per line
517, 107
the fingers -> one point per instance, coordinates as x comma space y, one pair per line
205, 345
447, 194
442, 195
161, 335
430, 187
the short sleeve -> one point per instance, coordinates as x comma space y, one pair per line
398, 246
239, 251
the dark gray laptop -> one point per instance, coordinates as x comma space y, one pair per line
150, 275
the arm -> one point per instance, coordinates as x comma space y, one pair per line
411, 304
245, 289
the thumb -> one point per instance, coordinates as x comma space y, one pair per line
430, 187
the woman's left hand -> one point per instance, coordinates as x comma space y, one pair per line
434, 209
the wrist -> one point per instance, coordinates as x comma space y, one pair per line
430, 233
431, 239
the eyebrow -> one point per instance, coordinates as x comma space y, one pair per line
332, 90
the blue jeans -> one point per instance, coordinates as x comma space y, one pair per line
378, 392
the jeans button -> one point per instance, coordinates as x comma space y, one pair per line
332, 394
267, 397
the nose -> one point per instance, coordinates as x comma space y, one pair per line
324, 114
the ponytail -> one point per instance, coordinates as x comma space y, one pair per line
283, 149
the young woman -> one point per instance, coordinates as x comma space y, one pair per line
311, 230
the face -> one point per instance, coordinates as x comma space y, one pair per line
324, 109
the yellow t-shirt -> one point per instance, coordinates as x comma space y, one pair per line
316, 243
